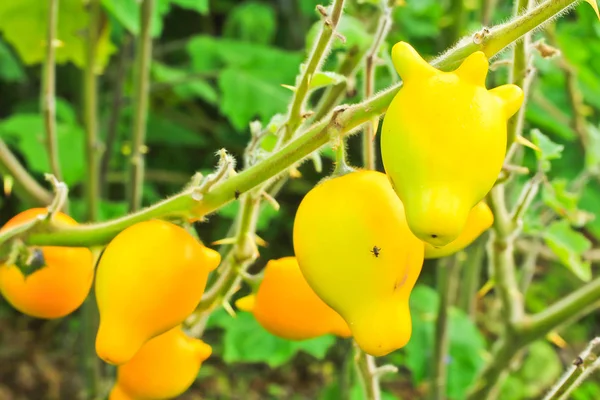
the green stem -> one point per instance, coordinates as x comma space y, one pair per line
334, 94
315, 60
341, 121
26, 188
91, 112
471, 277
487, 10
49, 89
370, 129
444, 273
367, 373
582, 366
453, 31
142, 82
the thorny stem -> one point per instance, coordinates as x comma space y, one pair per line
320, 133
582, 366
142, 82
49, 89
315, 60
91, 111
25, 186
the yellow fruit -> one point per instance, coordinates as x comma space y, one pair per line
58, 288
443, 141
480, 219
287, 307
358, 255
149, 279
164, 368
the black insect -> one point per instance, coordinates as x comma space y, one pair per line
376, 251
236, 194
578, 361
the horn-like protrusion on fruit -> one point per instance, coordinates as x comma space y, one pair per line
409, 63
511, 96
474, 69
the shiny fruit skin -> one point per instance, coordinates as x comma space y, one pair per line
337, 225
58, 288
165, 367
149, 279
443, 141
286, 306
480, 219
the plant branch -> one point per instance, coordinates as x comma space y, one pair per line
142, 83
315, 60
25, 186
582, 366
369, 374
370, 128
91, 111
338, 123
49, 89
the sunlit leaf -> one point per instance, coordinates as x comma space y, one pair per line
569, 245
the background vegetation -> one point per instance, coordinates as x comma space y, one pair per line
219, 65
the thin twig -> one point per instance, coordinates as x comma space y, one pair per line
142, 83
369, 374
315, 60
370, 128
582, 366
49, 88
90, 97
25, 186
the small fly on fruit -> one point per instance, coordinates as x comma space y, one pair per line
376, 251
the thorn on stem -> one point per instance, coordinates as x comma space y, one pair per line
322, 10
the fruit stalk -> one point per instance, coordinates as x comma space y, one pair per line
338, 123
49, 89
142, 83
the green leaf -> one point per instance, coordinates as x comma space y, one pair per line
466, 343
106, 209
564, 203
24, 24
27, 133
569, 245
250, 77
251, 22
325, 78
246, 341
549, 149
183, 83
10, 68
196, 5
333, 392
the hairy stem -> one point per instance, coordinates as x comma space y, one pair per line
142, 82
315, 60
49, 90
582, 366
